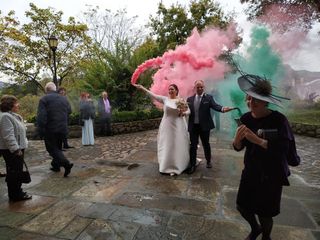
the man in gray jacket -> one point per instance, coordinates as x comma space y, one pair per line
52, 123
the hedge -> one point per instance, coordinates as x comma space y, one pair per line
123, 116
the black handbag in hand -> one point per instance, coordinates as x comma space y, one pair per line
24, 176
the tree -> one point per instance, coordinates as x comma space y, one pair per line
303, 12
171, 26
28, 56
107, 29
114, 40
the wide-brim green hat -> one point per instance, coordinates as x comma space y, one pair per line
259, 88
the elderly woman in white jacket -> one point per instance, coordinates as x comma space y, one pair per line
13, 141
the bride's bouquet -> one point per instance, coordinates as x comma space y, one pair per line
182, 106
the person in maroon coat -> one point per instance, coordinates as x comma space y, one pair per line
265, 134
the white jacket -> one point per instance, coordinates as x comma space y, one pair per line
12, 132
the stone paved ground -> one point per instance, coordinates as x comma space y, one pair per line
116, 192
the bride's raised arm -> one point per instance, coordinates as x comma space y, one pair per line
151, 94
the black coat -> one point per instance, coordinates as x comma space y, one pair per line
87, 110
265, 170
52, 116
205, 119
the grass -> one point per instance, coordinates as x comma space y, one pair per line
305, 116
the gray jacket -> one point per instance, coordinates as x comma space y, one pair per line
12, 132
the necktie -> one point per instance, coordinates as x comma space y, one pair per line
197, 102
196, 109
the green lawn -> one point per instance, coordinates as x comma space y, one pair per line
306, 116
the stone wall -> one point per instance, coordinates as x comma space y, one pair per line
137, 126
306, 129
117, 128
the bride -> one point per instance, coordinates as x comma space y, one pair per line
173, 140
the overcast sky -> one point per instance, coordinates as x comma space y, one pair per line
307, 58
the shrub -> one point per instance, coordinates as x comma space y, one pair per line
74, 118
28, 107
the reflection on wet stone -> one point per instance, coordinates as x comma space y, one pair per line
141, 216
102, 191
37, 205
98, 210
204, 189
57, 186
161, 185
188, 206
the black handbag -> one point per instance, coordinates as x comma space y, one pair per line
24, 176
81, 122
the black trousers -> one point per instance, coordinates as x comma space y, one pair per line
65, 142
14, 165
53, 143
195, 133
105, 125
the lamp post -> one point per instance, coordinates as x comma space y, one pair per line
53, 43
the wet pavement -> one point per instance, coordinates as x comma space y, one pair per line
116, 192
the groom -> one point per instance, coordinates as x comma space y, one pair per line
200, 123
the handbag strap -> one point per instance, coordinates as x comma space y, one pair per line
25, 165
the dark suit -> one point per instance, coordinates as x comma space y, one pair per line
201, 129
52, 123
104, 118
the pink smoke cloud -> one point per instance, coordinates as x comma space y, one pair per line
285, 17
288, 24
196, 59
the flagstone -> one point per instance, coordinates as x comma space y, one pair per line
164, 202
102, 229
57, 217
74, 228
103, 190
7, 233
57, 186
36, 205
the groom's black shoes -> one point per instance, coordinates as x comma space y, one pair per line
191, 170
209, 165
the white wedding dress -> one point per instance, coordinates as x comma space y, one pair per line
173, 138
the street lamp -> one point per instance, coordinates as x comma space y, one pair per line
53, 43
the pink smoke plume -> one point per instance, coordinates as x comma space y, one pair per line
196, 59
288, 24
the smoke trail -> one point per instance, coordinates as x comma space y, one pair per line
169, 58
